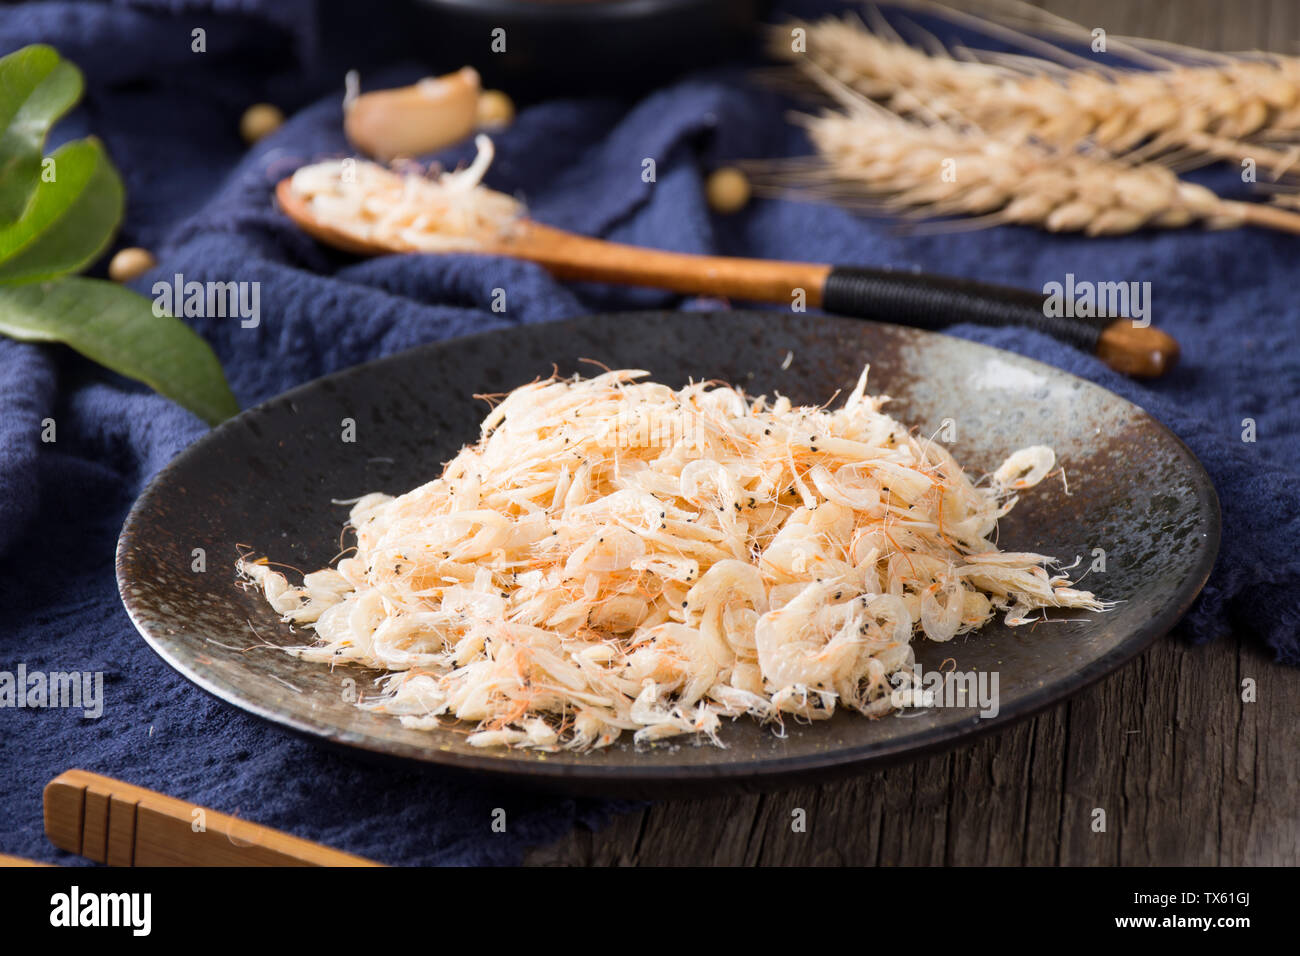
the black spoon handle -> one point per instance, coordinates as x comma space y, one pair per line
933, 302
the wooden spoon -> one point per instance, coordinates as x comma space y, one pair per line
905, 298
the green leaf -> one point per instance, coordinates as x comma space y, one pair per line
118, 329
69, 222
36, 89
57, 215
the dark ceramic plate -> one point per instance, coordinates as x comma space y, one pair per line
265, 480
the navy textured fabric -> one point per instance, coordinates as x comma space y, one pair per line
201, 201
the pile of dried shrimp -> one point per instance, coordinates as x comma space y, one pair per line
616, 555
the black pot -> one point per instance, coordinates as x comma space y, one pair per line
579, 47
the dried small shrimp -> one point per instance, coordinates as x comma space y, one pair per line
615, 555
371, 203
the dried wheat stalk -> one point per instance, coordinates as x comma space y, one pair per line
1219, 111
872, 157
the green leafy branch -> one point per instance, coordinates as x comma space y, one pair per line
58, 214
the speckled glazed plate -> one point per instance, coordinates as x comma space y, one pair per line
265, 480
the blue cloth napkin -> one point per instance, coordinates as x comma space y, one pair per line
201, 201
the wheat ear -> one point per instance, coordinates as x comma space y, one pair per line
870, 157
1215, 111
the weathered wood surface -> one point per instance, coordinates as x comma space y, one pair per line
1186, 772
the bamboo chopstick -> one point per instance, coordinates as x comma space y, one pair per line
120, 824
7, 860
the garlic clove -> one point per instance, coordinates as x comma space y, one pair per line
411, 120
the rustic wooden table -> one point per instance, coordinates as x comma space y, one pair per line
1186, 772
